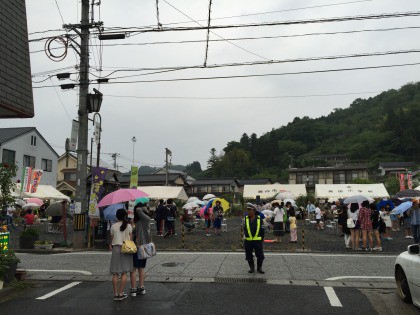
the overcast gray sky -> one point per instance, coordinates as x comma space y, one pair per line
191, 117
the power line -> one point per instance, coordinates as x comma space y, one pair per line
59, 11
240, 97
130, 30
259, 75
253, 63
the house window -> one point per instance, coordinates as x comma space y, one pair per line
46, 165
70, 177
202, 189
8, 156
33, 141
28, 161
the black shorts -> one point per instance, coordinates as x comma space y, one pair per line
138, 263
318, 220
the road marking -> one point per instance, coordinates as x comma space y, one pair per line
334, 300
88, 273
241, 253
46, 296
358, 277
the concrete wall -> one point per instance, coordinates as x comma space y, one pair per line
22, 146
16, 99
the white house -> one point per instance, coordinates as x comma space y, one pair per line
25, 146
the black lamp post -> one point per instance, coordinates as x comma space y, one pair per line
94, 105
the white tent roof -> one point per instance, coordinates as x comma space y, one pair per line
45, 191
164, 192
269, 191
418, 188
347, 190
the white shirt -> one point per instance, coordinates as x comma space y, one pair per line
353, 215
10, 210
119, 237
278, 214
317, 213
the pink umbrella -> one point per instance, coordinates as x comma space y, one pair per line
38, 201
202, 211
121, 195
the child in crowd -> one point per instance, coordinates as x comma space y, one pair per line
385, 216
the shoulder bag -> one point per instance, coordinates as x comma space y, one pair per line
129, 247
146, 251
350, 223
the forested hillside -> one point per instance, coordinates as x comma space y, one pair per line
381, 128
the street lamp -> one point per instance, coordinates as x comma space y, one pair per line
134, 141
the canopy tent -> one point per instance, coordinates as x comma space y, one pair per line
270, 191
164, 192
417, 188
45, 192
336, 191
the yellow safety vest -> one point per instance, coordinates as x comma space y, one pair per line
257, 233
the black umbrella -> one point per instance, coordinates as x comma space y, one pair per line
56, 209
408, 193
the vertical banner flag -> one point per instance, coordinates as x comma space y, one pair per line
402, 183
98, 177
410, 181
130, 211
134, 178
26, 179
73, 137
36, 178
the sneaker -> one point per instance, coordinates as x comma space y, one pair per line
358, 249
133, 292
208, 234
141, 290
120, 297
389, 238
377, 248
407, 236
411, 236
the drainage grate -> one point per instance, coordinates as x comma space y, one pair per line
239, 280
170, 264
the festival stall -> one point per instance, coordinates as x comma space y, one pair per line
164, 192
338, 191
270, 191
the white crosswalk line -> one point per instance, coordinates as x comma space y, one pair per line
334, 300
68, 286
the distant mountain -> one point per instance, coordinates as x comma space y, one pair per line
381, 128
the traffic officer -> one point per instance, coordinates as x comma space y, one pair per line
254, 236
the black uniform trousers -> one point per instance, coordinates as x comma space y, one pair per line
256, 246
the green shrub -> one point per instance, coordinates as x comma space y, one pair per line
29, 232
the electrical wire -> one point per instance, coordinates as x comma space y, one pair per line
239, 97
59, 11
259, 75
61, 102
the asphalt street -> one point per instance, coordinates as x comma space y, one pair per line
213, 283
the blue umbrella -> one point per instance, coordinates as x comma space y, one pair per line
110, 211
402, 207
383, 203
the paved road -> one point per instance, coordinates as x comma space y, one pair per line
210, 267
214, 283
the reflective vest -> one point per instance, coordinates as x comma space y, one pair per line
257, 236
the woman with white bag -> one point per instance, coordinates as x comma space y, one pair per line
353, 225
141, 237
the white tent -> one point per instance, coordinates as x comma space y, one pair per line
335, 191
269, 191
164, 192
45, 192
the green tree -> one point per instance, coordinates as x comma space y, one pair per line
7, 172
392, 185
193, 169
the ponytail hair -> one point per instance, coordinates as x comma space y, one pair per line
122, 216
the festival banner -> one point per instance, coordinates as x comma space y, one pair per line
98, 177
26, 179
36, 178
410, 181
130, 211
134, 178
402, 183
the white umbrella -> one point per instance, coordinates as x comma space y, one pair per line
190, 206
285, 195
192, 199
267, 213
30, 205
208, 197
20, 202
357, 199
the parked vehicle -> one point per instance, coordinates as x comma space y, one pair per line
407, 275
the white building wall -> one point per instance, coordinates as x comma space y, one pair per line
22, 146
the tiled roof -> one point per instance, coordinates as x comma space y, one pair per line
214, 181
396, 164
7, 134
257, 181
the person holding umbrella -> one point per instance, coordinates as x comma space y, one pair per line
414, 213
254, 236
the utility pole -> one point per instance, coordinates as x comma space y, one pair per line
167, 153
82, 138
